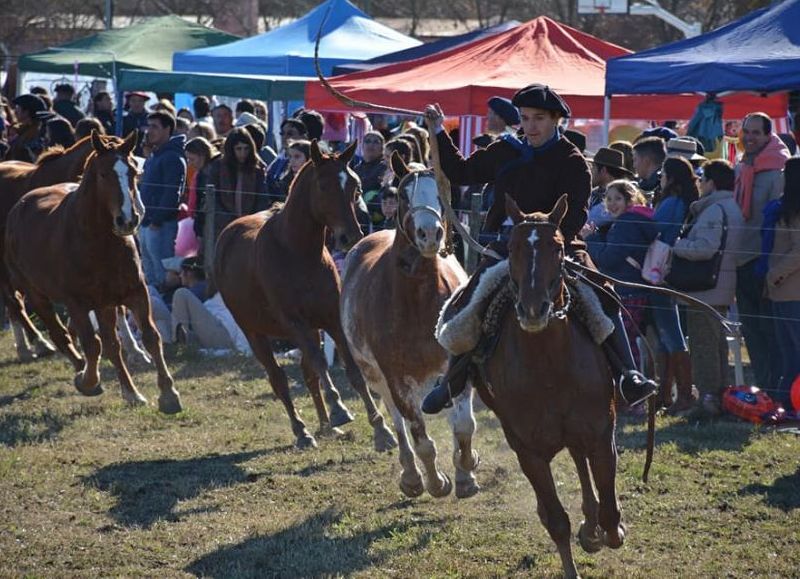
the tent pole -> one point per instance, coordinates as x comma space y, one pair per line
606, 118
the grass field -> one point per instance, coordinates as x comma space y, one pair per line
92, 488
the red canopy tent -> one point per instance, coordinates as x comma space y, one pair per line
573, 63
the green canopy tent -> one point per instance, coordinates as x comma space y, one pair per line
146, 45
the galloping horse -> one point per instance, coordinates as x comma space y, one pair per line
73, 244
393, 287
551, 387
56, 165
279, 281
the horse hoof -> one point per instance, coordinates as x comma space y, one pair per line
135, 399
444, 490
384, 440
615, 541
304, 441
412, 490
340, 415
170, 403
331, 432
466, 489
96, 390
591, 543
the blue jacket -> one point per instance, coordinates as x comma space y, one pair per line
629, 236
670, 215
162, 182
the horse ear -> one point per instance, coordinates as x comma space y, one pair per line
97, 143
348, 153
129, 143
399, 166
316, 154
559, 210
513, 210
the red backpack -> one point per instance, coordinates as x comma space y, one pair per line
749, 403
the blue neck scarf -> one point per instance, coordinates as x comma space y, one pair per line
526, 151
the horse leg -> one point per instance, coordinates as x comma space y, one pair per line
589, 535
410, 478
87, 380
603, 463
25, 333
169, 400
307, 340
262, 349
437, 483
107, 322
312, 380
551, 512
58, 333
465, 458
381, 435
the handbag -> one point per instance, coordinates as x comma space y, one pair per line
656, 262
695, 276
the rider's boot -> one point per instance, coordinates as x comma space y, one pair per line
633, 386
449, 386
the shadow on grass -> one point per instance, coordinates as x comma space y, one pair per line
22, 395
783, 494
320, 546
148, 490
690, 438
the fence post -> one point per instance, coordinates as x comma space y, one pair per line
209, 236
475, 204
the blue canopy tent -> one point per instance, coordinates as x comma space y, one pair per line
760, 53
349, 35
425, 49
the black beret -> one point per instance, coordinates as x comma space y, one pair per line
505, 110
577, 138
31, 103
539, 96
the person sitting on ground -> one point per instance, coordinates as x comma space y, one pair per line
161, 298
783, 283
58, 131
206, 323
619, 249
542, 157
711, 218
240, 178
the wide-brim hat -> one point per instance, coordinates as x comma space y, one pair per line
31, 103
540, 96
612, 158
504, 109
686, 148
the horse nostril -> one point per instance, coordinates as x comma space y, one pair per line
439, 234
120, 221
421, 234
520, 310
343, 239
545, 309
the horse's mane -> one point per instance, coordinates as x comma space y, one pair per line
58, 151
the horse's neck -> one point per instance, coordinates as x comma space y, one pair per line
86, 208
71, 164
300, 229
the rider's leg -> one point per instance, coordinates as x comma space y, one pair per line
449, 386
634, 387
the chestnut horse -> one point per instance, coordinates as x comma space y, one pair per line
551, 387
73, 244
279, 281
56, 165
394, 285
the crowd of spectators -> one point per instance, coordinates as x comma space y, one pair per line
659, 187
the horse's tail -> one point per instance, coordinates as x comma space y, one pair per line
651, 436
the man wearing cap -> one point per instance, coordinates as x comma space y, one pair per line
64, 104
534, 171
607, 166
135, 118
27, 142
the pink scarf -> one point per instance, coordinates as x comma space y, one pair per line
772, 157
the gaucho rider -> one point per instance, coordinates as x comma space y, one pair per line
535, 170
